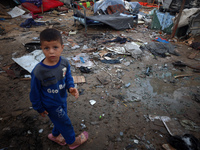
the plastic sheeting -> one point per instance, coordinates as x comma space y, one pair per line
29, 61
134, 7
116, 20
103, 4
185, 16
165, 19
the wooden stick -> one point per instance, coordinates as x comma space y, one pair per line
183, 75
42, 8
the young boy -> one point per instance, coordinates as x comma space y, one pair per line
49, 81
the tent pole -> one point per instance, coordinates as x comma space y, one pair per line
178, 19
42, 8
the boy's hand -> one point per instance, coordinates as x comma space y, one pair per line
74, 92
43, 114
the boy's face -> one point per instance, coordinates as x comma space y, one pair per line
52, 50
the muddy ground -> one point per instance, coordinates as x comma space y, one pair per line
124, 111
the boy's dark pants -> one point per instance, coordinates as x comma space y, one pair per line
62, 123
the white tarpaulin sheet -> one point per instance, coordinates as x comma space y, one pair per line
185, 16
29, 61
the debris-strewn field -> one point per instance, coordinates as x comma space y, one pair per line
140, 98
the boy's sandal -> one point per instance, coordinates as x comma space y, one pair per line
59, 139
84, 138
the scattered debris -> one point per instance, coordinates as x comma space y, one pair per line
77, 62
148, 70
103, 80
168, 147
84, 69
195, 45
33, 45
172, 126
118, 50
92, 102
41, 130
193, 55
117, 39
113, 61
127, 85
189, 125
83, 126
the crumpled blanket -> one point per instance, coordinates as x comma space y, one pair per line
160, 49
29, 22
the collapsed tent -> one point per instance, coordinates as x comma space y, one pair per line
102, 6
115, 13
117, 20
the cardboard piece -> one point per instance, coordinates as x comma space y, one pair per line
79, 79
103, 80
172, 126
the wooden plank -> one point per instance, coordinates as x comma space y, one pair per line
193, 55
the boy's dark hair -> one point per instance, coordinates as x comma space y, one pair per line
50, 35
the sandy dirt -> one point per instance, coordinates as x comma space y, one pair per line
125, 111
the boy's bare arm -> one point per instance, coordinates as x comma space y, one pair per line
74, 92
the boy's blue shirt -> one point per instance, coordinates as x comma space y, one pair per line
49, 85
